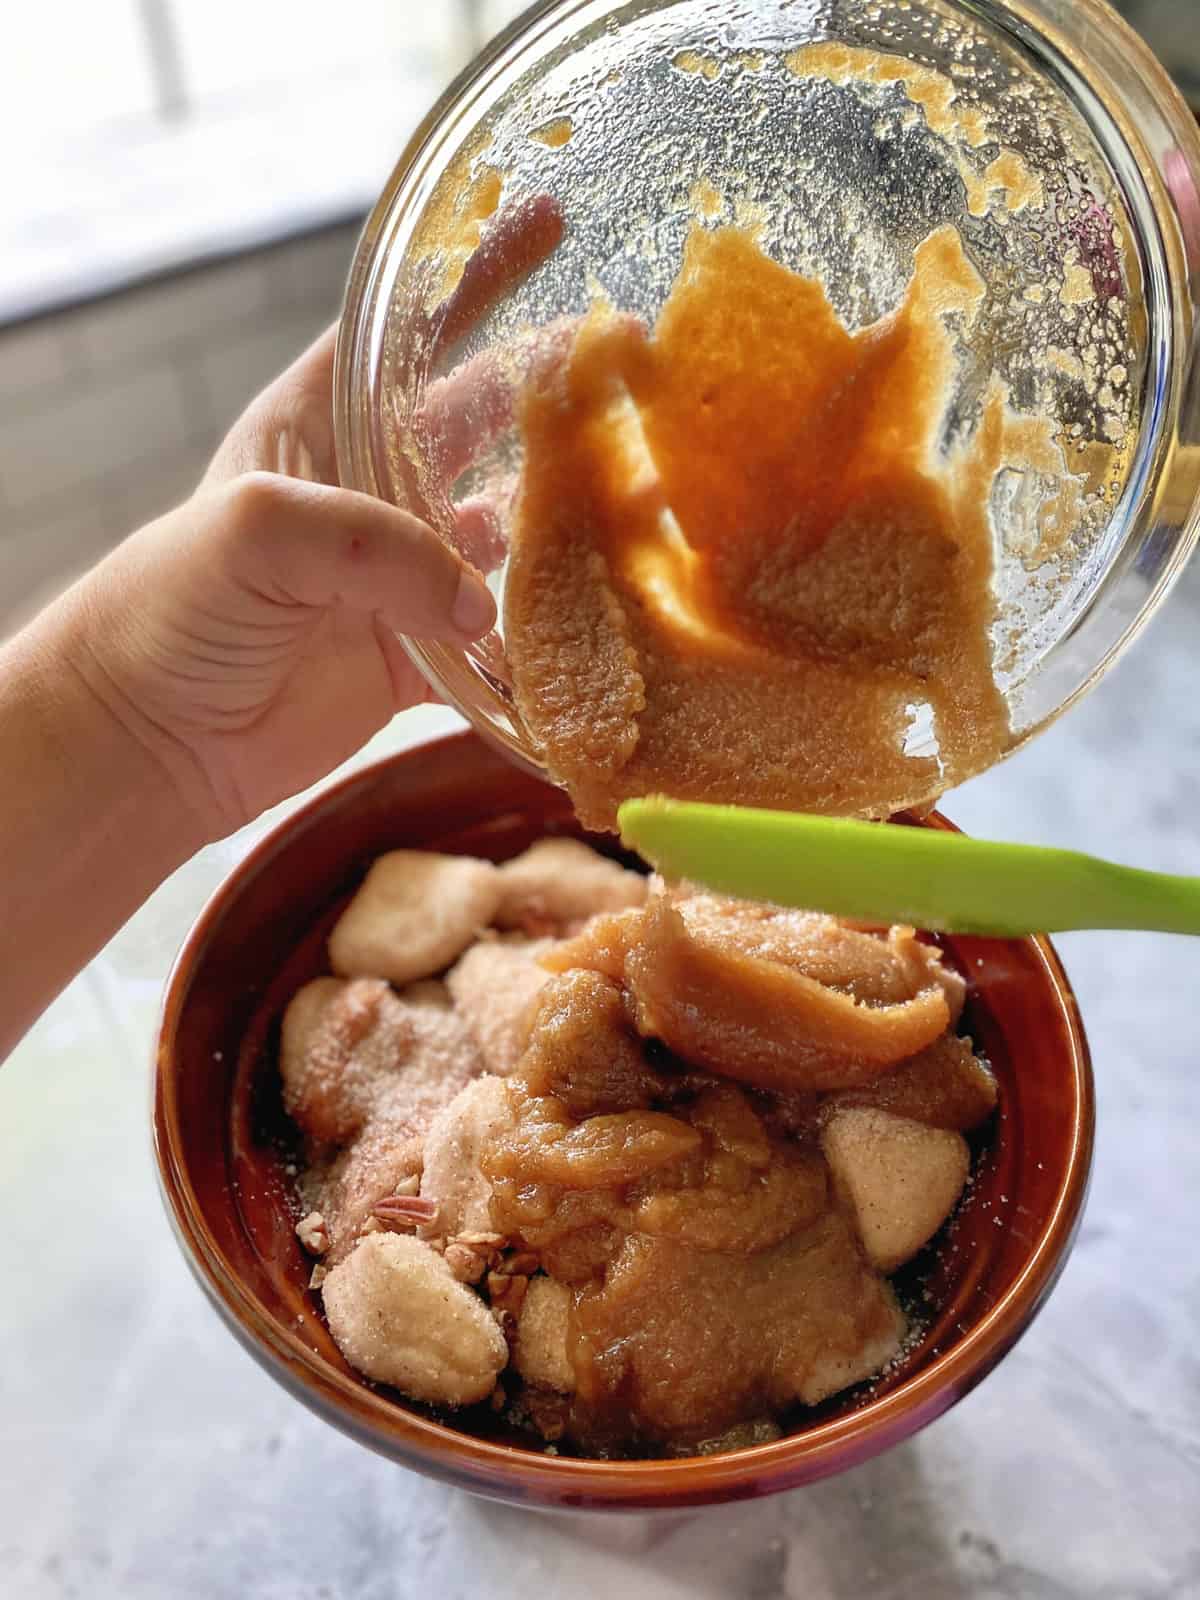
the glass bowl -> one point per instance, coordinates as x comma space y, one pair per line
226, 1158
596, 132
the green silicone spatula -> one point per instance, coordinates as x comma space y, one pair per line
881, 873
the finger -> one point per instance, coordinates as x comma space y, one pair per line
307, 544
288, 428
481, 536
518, 239
465, 412
1181, 181
409, 688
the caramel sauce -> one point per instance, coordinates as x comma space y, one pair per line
741, 559
555, 134
708, 1289
695, 61
654, 1215
714, 1274
453, 222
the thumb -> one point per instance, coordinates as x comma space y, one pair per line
306, 544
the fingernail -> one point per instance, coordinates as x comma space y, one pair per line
474, 610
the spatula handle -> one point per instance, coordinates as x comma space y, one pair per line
923, 876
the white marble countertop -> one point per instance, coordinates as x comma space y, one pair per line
142, 1453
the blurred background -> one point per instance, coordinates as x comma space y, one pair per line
183, 184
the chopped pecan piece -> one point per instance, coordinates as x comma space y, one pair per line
467, 1265
313, 1234
400, 1211
521, 1264
506, 1292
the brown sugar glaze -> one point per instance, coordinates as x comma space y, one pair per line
740, 563
684, 1236
715, 1276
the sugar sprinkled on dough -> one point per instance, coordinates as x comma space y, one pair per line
495, 984
559, 882
398, 1314
442, 1058
415, 913
340, 1045
542, 1355
452, 1177
900, 1178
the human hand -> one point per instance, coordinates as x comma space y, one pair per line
235, 650
248, 638
1181, 181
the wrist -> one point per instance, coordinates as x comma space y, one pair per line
111, 760
87, 644
90, 823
